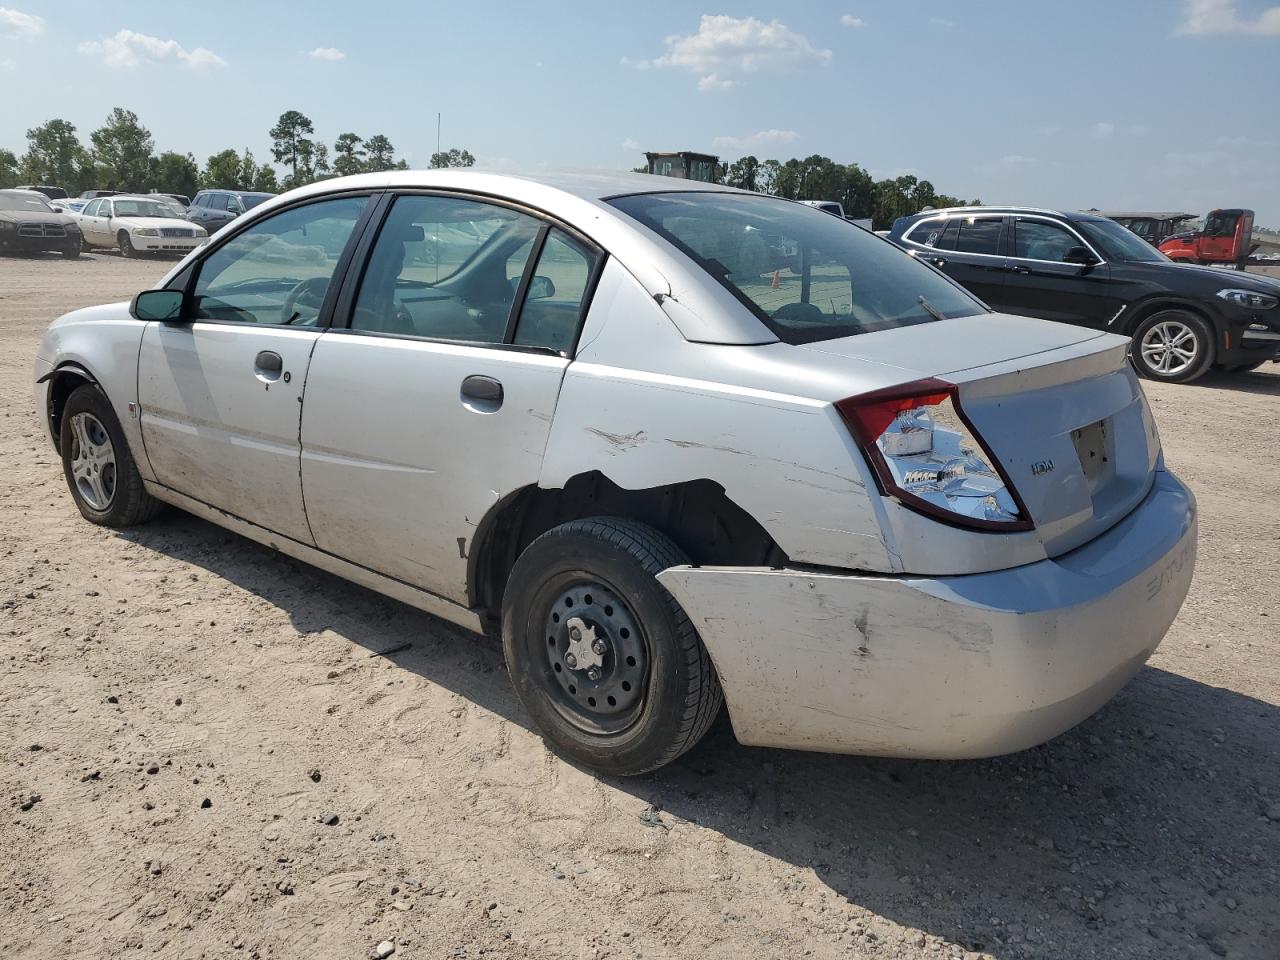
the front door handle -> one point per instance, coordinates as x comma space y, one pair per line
939, 261
1019, 268
267, 365
486, 392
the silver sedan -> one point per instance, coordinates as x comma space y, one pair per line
680, 446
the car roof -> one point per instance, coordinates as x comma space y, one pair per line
1158, 215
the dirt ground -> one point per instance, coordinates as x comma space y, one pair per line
236, 755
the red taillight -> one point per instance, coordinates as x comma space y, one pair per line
926, 454
870, 414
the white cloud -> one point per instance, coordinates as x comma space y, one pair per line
851, 21
15, 23
8, 65
327, 53
1017, 160
761, 138
1202, 17
128, 49
726, 48
630, 144
943, 23
1101, 130
1138, 130
1049, 130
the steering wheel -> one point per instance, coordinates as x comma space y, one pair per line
307, 293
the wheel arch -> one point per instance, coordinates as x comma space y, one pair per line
696, 514
1148, 307
63, 380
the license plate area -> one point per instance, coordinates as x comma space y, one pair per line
1093, 447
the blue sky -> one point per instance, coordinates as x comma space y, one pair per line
1149, 104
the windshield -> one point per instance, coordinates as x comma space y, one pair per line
1119, 243
807, 275
251, 200
28, 202
145, 208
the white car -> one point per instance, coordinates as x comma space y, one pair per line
137, 225
866, 511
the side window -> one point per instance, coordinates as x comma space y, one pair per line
278, 270
553, 304
91, 209
928, 232
218, 201
445, 268
979, 235
1039, 240
198, 200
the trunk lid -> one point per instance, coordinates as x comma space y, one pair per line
1062, 411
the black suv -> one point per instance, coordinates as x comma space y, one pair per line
216, 208
1087, 270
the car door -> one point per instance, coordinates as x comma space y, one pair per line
435, 402
970, 250
1048, 278
220, 393
94, 224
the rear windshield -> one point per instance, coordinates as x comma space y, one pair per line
806, 274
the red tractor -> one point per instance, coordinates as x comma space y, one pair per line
1227, 237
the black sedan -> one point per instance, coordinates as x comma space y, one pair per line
1087, 270
28, 224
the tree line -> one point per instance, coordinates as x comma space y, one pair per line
121, 155
820, 178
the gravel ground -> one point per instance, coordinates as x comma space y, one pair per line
212, 751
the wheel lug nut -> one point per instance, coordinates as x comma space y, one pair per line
570, 659
598, 647
575, 634
594, 673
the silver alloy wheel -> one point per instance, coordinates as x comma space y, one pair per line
1170, 347
93, 461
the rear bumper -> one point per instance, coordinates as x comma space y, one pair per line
948, 667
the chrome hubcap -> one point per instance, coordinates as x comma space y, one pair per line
597, 655
93, 461
1170, 347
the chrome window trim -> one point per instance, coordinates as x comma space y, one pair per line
962, 253
1066, 224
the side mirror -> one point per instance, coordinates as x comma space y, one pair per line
1080, 255
157, 305
540, 288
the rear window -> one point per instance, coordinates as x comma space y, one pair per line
979, 235
806, 274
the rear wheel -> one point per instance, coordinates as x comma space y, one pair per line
100, 471
600, 653
1172, 345
126, 245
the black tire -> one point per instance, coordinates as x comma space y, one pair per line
73, 249
680, 696
127, 502
1245, 367
126, 245
1181, 370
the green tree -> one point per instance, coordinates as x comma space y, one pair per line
122, 151
452, 158
767, 177
381, 155
744, 174
348, 155
264, 180
176, 173
8, 168
288, 138
55, 156
222, 171
858, 197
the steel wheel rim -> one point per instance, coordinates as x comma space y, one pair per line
1170, 347
93, 461
596, 680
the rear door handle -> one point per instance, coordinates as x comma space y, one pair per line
267, 365
939, 261
484, 390
1019, 268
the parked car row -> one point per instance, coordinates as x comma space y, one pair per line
850, 501
1089, 270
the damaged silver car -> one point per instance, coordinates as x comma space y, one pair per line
681, 446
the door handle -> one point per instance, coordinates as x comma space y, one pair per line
267, 365
1019, 268
939, 261
485, 391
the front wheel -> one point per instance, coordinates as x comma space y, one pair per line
96, 461
126, 246
1173, 346
73, 249
600, 654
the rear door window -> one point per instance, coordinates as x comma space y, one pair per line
928, 233
980, 235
